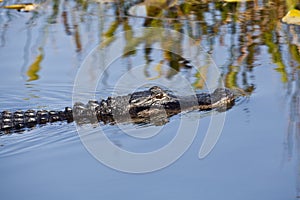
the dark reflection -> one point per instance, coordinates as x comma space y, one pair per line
248, 26
64, 16
240, 29
55, 11
253, 25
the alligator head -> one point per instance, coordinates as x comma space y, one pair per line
152, 103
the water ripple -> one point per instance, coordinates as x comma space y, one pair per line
41, 137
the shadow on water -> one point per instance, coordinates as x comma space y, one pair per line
240, 37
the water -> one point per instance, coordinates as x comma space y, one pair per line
256, 156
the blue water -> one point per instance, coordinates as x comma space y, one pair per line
255, 157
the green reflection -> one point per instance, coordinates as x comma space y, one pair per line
243, 27
35, 67
276, 55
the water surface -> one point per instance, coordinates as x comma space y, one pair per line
256, 156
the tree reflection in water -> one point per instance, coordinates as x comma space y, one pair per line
240, 31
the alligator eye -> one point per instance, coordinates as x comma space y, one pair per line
159, 96
157, 92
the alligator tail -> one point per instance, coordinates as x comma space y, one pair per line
81, 113
19, 120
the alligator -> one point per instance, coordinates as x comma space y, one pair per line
152, 105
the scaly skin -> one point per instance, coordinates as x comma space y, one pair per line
150, 106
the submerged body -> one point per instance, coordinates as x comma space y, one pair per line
151, 106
